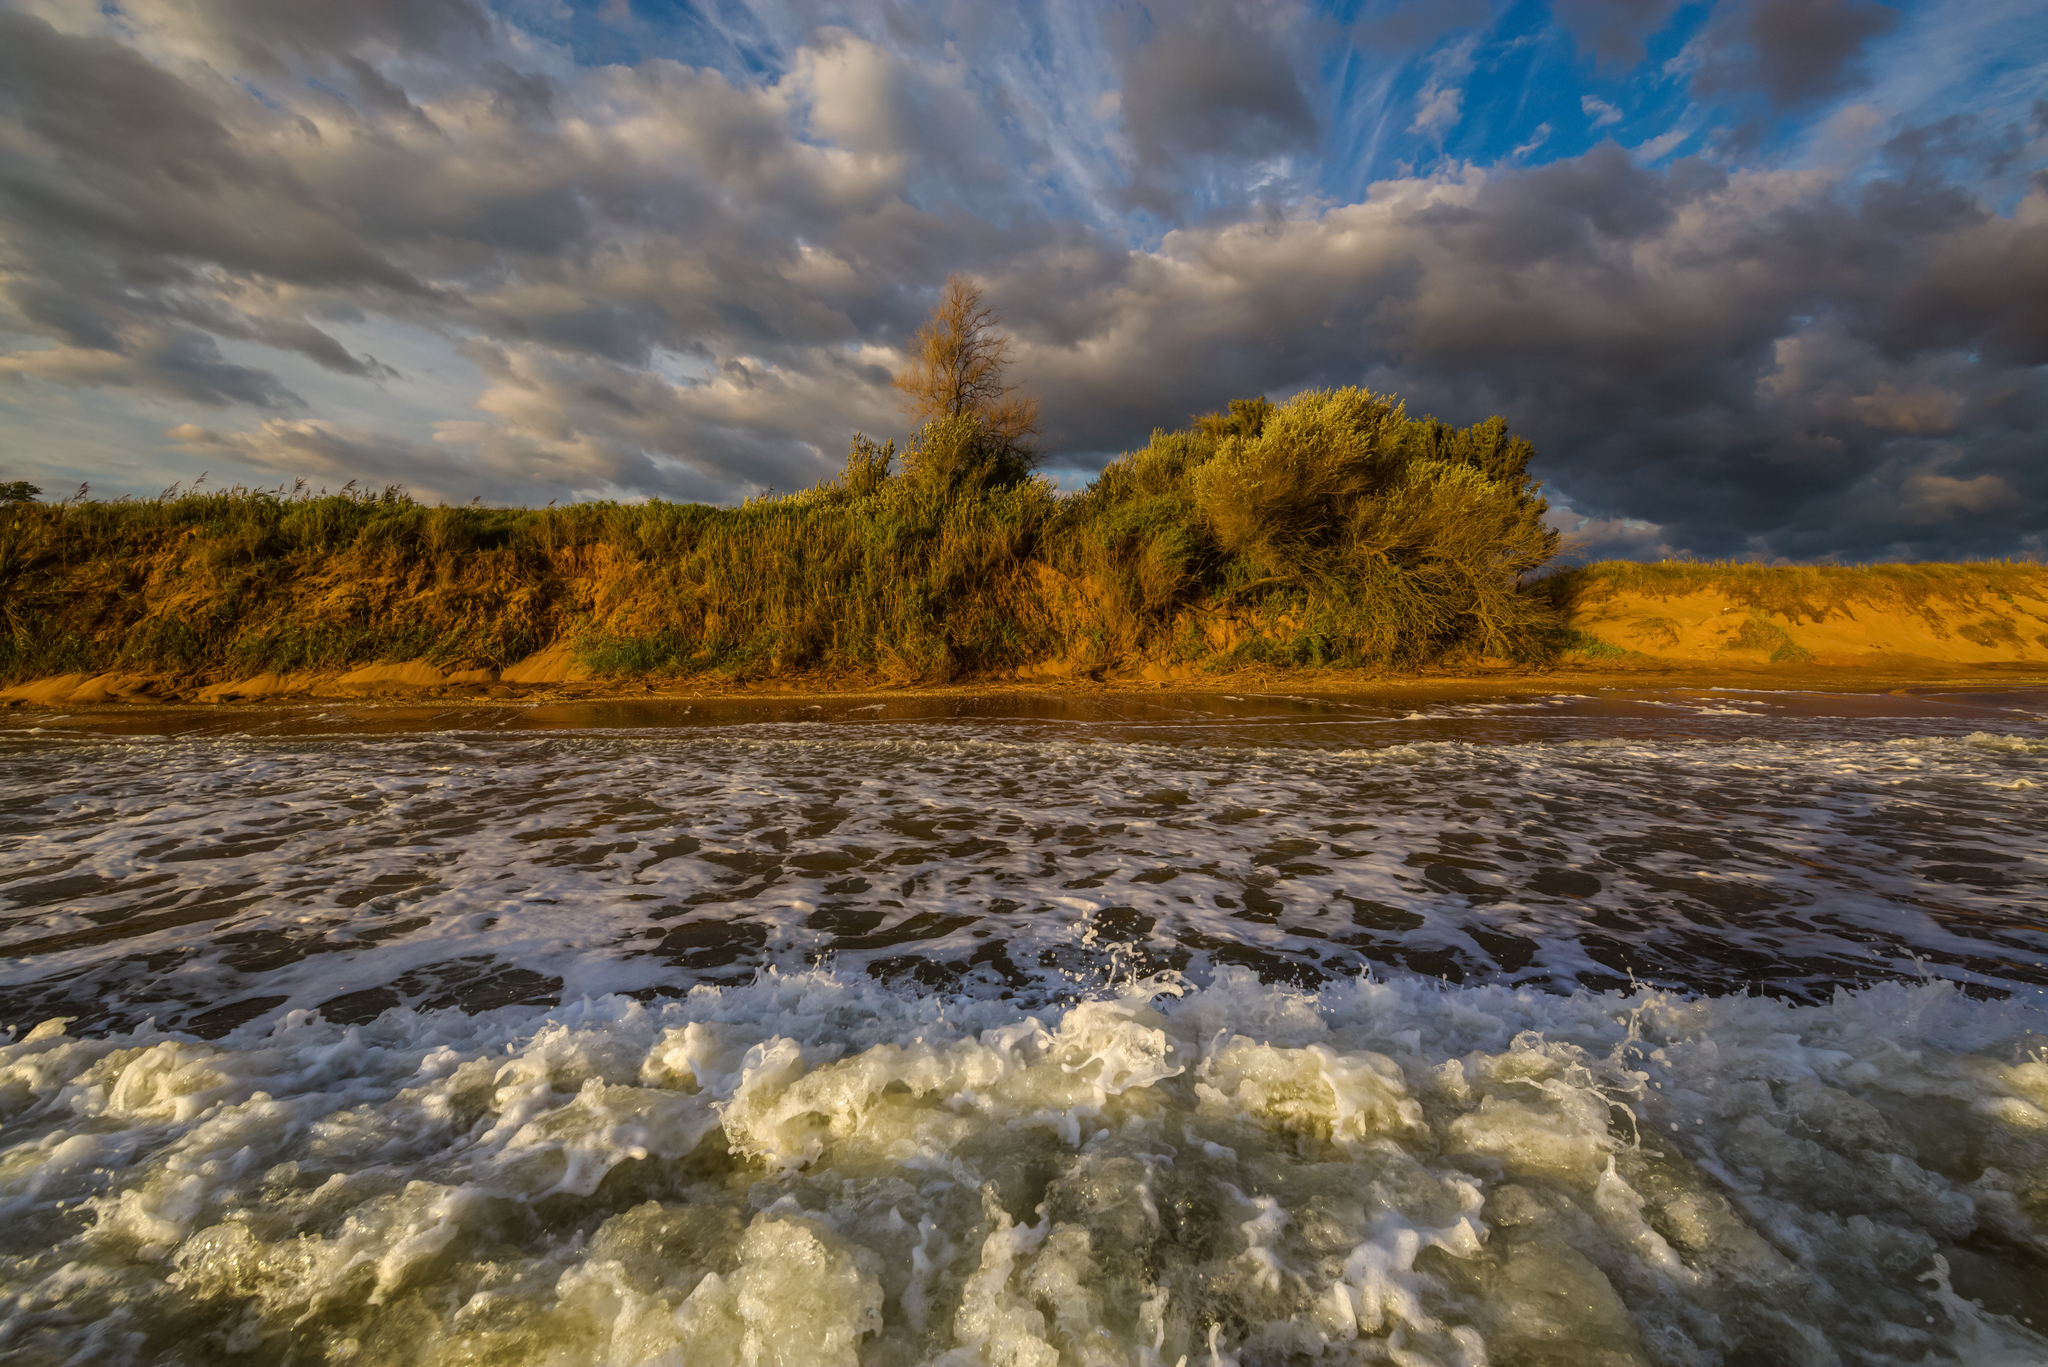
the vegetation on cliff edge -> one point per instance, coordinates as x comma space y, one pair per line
1332, 529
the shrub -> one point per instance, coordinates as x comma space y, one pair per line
1383, 540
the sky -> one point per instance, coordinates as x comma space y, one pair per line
1759, 278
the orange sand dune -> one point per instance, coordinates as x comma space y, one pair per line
1876, 617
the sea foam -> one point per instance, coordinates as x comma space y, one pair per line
812, 1169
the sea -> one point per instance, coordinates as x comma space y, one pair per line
1678, 1026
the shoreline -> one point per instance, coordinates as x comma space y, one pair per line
62, 692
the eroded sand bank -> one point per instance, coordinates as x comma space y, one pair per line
1666, 626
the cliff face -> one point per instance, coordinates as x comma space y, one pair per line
1795, 623
1885, 617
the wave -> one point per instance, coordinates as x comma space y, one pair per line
811, 1168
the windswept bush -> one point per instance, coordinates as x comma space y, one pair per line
1378, 539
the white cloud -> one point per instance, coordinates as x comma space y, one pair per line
1655, 149
1599, 111
1437, 110
1440, 104
1586, 539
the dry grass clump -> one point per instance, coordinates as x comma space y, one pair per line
1331, 529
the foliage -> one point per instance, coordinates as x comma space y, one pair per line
18, 491
1383, 540
868, 466
1589, 645
1244, 418
1327, 530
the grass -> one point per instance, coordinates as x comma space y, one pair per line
1330, 530
1591, 646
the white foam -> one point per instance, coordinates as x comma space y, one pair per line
811, 1169
1034, 1156
173, 878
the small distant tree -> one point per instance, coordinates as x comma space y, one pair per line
18, 491
957, 370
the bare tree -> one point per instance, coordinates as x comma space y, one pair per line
958, 368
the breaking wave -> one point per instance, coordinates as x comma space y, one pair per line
813, 1169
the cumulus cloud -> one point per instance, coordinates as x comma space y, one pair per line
1204, 87
1614, 30
747, 425
1215, 85
1928, 497
1585, 539
1726, 356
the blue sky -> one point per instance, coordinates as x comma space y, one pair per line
1759, 277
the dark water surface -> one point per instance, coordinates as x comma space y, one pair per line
547, 1033
206, 869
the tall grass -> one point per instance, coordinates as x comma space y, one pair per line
1329, 530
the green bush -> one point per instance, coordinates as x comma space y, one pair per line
1385, 540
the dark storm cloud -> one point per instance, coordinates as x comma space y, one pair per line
1985, 278
1418, 23
1614, 30
1794, 51
1213, 87
124, 188
142, 165
1763, 358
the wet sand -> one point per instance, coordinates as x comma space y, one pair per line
700, 701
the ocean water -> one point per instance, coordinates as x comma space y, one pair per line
1688, 1027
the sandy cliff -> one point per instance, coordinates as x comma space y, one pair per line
1887, 617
